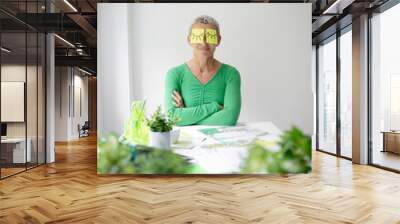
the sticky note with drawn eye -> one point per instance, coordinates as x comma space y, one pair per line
211, 36
197, 36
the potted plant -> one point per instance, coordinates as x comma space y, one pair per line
160, 129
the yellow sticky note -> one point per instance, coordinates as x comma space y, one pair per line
197, 36
211, 36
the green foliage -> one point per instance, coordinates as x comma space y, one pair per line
160, 161
294, 155
118, 156
136, 130
114, 157
159, 122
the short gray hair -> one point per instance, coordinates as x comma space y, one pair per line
204, 19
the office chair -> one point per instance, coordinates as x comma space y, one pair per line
84, 130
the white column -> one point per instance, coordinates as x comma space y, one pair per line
50, 99
360, 90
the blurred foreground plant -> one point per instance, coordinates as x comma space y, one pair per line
294, 155
113, 156
118, 156
160, 161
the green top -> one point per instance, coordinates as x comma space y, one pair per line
202, 100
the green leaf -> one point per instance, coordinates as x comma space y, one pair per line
159, 122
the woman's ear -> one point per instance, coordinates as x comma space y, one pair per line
219, 40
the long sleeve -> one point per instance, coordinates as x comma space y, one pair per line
186, 115
232, 103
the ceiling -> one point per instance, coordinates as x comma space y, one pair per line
76, 22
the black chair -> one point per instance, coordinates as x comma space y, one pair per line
84, 130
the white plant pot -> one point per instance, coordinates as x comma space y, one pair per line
160, 140
175, 135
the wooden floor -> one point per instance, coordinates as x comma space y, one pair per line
10, 171
387, 159
70, 191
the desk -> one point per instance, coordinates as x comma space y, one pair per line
16, 148
224, 152
391, 141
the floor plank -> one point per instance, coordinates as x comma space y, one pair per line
70, 191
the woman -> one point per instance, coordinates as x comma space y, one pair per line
203, 90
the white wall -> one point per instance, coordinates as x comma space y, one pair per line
270, 45
61, 103
80, 83
17, 73
67, 80
113, 103
33, 126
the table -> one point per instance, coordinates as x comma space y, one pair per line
15, 148
391, 141
223, 152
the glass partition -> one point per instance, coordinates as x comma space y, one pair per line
327, 96
22, 89
385, 89
13, 95
346, 93
41, 107
32, 95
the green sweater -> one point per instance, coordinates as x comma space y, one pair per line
202, 100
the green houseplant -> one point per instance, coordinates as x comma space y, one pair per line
160, 129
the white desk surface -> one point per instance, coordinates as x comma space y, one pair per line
214, 156
13, 140
19, 150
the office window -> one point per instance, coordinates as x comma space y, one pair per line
346, 93
385, 88
327, 96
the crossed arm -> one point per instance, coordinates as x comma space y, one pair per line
206, 114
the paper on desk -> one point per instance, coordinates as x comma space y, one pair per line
223, 151
216, 159
234, 135
188, 139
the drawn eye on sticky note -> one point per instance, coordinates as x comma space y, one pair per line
197, 36
211, 36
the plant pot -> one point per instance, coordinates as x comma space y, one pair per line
175, 136
160, 140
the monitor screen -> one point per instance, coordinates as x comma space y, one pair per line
3, 129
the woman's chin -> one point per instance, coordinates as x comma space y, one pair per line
204, 53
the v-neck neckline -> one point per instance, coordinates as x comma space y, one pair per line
195, 77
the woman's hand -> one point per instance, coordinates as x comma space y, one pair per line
178, 101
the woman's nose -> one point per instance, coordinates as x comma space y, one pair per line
204, 45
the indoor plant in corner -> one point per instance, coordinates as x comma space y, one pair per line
160, 129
